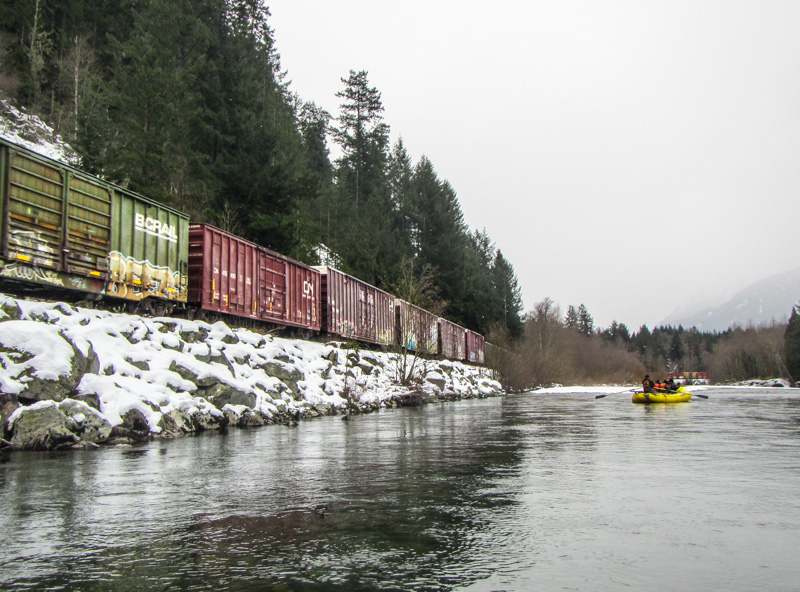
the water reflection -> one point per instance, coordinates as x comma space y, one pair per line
502, 494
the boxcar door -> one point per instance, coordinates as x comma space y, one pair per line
35, 215
366, 313
271, 286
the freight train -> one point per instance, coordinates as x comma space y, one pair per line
78, 236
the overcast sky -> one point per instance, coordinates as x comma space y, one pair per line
603, 145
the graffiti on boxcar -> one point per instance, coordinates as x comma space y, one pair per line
133, 279
30, 247
33, 273
385, 337
347, 329
18, 270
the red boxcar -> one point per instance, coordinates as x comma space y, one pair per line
230, 275
475, 348
356, 310
418, 329
452, 340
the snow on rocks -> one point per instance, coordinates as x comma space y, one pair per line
73, 377
30, 131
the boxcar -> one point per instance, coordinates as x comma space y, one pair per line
233, 276
354, 309
452, 340
475, 348
418, 329
65, 229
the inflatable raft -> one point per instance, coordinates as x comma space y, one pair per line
679, 396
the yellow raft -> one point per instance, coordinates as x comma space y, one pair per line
679, 396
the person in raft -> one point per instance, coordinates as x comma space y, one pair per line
647, 384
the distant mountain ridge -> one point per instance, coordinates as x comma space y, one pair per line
764, 301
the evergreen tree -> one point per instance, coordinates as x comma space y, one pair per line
585, 321
362, 136
442, 241
791, 341
366, 233
571, 318
507, 289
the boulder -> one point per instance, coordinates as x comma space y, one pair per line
437, 380
9, 310
8, 404
134, 428
221, 394
207, 420
85, 422
192, 373
41, 426
283, 372
242, 417
44, 364
175, 423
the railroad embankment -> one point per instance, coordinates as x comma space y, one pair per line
81, 378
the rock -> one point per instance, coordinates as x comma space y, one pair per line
8, 404
242, 417
283, 372
92, 400
187, 331
221, 394
32, 347
9, 310
436, 380
365, 367
206, 420
42, 426
134, 428
193, 373
85, 422
332, 355
175, 423
140, 364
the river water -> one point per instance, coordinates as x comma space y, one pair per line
525, 492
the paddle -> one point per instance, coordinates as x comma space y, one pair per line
626, 391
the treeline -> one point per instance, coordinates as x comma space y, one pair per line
570, 350
186, 102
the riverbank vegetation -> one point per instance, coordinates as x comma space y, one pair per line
567, 349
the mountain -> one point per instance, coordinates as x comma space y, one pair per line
764, 301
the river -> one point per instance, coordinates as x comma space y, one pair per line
525, 492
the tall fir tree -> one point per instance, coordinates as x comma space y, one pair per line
509, 296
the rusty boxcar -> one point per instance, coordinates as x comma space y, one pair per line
356, 310
418, 329
65, 229
475, 348
232, 276
452, 340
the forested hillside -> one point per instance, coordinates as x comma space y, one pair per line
186, 102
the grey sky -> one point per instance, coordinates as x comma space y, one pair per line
601, 144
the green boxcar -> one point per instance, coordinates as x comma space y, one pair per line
69, 230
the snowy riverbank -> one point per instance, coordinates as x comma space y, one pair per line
73, 377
